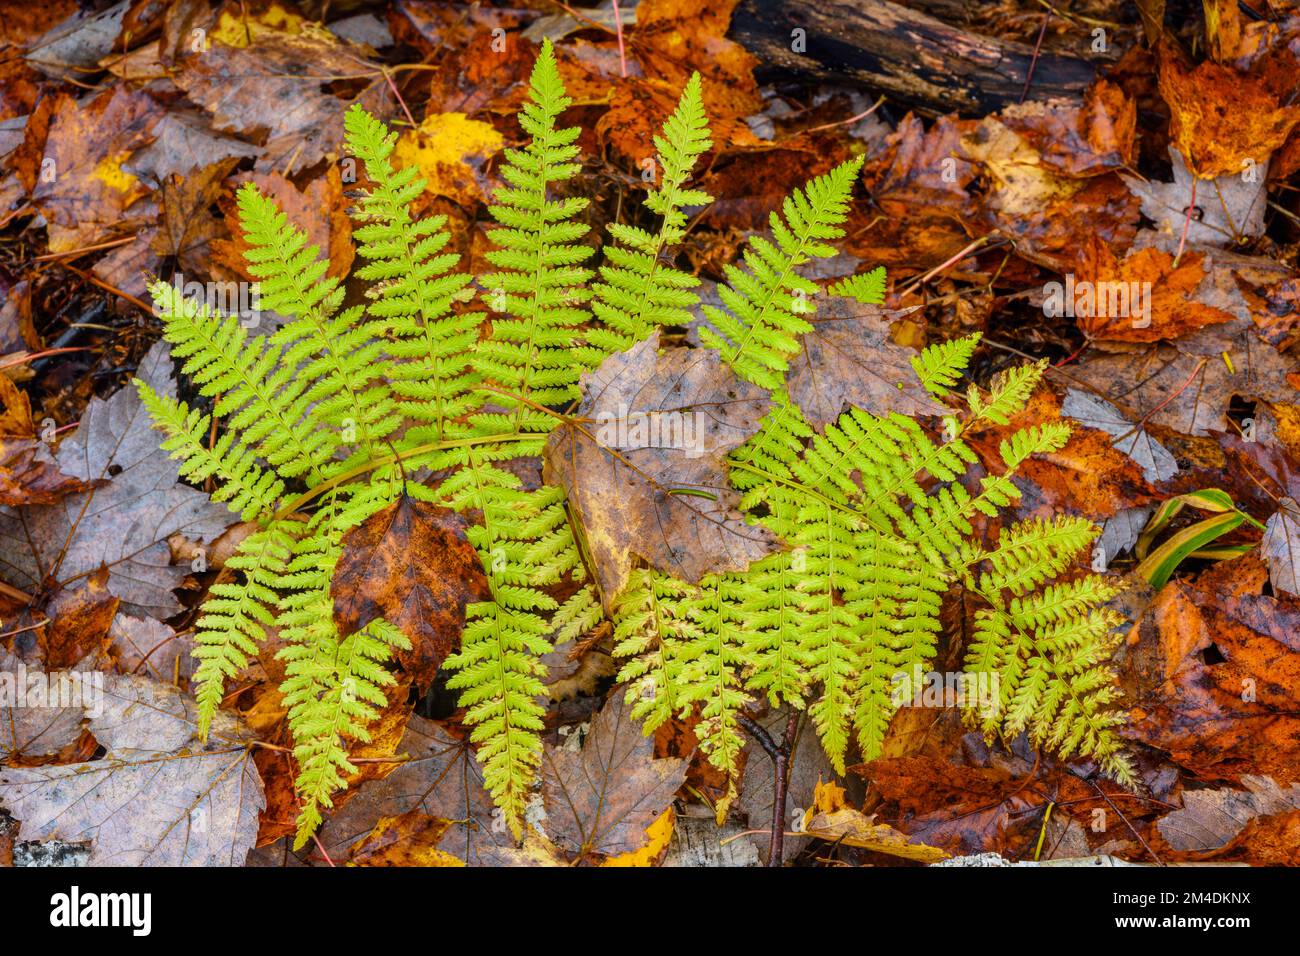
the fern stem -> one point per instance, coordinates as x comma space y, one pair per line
389, 459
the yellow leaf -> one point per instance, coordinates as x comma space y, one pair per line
659, 832
238, 31
827, 797
450, 151
854, 828
109, 171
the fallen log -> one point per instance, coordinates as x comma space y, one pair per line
919, 61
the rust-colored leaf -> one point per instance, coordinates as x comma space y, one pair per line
79, 621
1221, 117
412, 565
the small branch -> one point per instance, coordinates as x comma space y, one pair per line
780, 754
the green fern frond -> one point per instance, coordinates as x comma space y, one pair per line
334, 351
236, 614
638, 290
768, 304
414, 290
261, 397
538, 293
865, 287
939, 367
876, 515
1008, 395
247, 489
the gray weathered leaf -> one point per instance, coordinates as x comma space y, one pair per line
1120, 531
75, 46
1210, 818
1229, 206
158, 797
32, 731
602, 798
848, 359
145, 645
1156, 462
124, 525
646, 474
1281, 546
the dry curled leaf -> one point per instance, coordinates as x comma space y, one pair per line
830, 818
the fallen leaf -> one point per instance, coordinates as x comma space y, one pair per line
408, 840
603, 799
77, 44
1227, 209
451, 153
412, 565
1169, 386
1217, 683
1146, 296
1132, 440
831, 819
849, 359
123, 526
443, 779
276, 87
188, 228
1083, 139
30, 729
1221, 117
80, 618
648, 478
82, 188
1281, 546
185, 142
659, 834
28, 475
157, 797
919, 202
144, 645
675, 38
1210, 819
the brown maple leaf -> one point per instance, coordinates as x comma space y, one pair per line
603, 798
